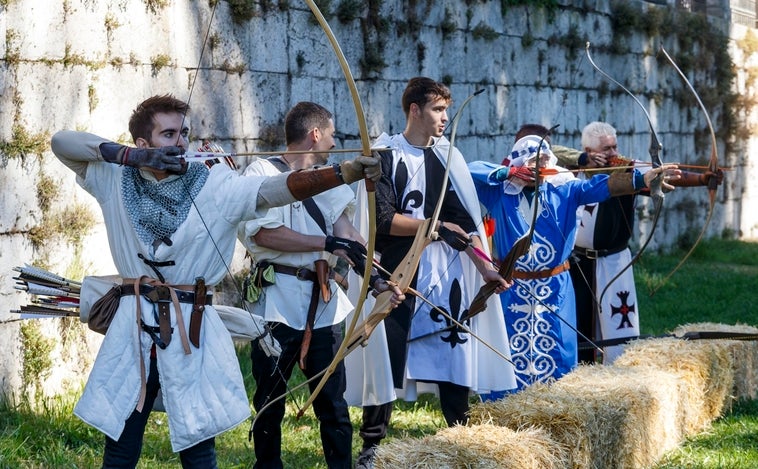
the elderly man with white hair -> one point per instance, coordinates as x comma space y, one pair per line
539, 309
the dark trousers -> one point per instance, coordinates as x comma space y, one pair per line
330, 406
453, 403
583, 278
125, 452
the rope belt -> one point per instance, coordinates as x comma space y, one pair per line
596, 253
519, 274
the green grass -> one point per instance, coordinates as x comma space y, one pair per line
717, 284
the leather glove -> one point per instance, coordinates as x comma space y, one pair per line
363, 166
518, 172
708, 175
355, 251
456, 240
161, 159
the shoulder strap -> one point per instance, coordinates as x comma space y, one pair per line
310, 205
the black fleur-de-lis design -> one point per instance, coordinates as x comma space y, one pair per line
455, 334
413, 199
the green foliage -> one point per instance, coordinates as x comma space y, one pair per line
159, 61
550, 5
92, 97
36, 350
484, 32
47, 191
348, 10
733, 443
155, 6
24, 143
72, 224
448, 25
111, 22
238, 68
697, 44
325, 6
242, 10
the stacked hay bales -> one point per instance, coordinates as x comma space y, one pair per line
623, 416
602, 416
704, 367
744, 354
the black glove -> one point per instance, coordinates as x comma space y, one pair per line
456, 240
161, 159
355, 251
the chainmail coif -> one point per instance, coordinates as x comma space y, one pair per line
156, 208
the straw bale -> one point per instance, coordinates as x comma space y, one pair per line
649, 401
603, 416
480, 446
705, 368
744, 355
563, 416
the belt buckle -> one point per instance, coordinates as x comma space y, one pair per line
159, 294
302, 274
592, 253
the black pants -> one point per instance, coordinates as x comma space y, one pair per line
125, 452
453, 403
330, 406
583, 279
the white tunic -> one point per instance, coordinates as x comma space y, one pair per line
482, 370
288, 299
203, 392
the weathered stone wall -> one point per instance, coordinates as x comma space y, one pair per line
85, 64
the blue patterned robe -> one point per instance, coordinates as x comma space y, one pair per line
543, 345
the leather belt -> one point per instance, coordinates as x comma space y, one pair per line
541, 273
183, 296
301, 273
307, 275
596, 253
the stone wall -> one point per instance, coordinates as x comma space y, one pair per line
85, 64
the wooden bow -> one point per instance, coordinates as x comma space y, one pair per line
370, 188
519, 248
656, 191
713, 166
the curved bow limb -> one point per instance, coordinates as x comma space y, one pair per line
425, 234
366, 147
656, 191
713, 166
359, 334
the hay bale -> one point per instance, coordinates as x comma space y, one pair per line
602, 416
744, 355
563, 416
649, 401
480, 446
705, 368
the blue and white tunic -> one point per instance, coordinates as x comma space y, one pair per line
540, 314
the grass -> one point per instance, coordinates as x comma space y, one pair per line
717, 284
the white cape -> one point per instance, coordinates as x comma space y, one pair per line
369, 375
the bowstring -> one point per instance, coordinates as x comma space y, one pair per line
237, 288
